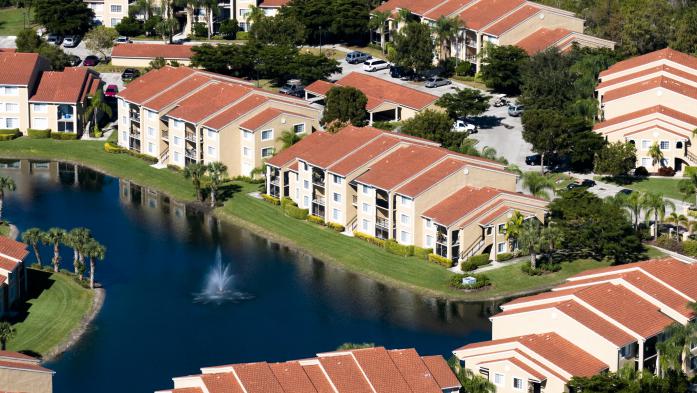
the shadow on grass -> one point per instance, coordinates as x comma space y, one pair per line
38, 281
624, 180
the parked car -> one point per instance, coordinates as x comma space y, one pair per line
436, 81
373, 65
401, 72
625, 191
501, 100
122, 40
130, 73
71, 41
356, 57
90, 61
515, 110
74, 61
54, 39
111, 91
462, 125
535, 159
293, 87
586, 183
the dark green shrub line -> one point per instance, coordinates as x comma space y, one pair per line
64, 136
474, 262
38, 134
435, 258
481, 281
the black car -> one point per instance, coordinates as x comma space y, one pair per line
74, 61
130, 73
401, 72
535, 159
587, 183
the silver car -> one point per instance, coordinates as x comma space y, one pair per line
71, 41
436, 81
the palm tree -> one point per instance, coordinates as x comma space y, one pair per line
537, 184
634, 203
530, 241
551, 238
195, 172
377, 22
656, 154
688, 187
217, 172
514, 226
446, 30
55, 236
94, 250
489, 152
7, 332
655, 204
96, 106
680, 220
675, 350
471, 382
8, 184
141, 6
78, 239
288, 138
33, 236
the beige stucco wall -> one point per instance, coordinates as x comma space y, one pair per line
544, 19
643, 141
21, 100
103, 13
647, 99
26, 381
510, 371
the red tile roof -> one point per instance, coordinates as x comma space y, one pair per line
596, 323
364, 155
18, 68
512, 20
542, 39
342, 143
446, 8
13, 248
414, 370
662, 69
257, 378
400, 165
418, 7
455, 207
653, 83
8, 50
70, 86
309, 143
485, 12
654, 110
265, 116
153, 83
221, 383
344, 372
292, 377
208, 101
151, 51
273, 3
380, 370
319, 87
659, 55
176, 92
187, 390
234, 112
520, 364
431, 177
441, 371
318, 378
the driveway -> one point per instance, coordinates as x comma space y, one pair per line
8, 41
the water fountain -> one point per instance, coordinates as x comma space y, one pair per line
219, 284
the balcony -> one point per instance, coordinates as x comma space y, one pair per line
355, 200
191, 137
191, 154
274, 181
135, 133
318, 180
135, 116
382, 223
165, 135
382, 203
319, 201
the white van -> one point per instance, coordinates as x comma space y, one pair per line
373, 65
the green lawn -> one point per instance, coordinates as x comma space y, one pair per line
4, 229
92, 154
53, 315
667, 186
11, 20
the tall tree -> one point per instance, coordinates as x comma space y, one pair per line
96, 106
64, 16
435, 126
77, 240
688, 186
278, 30
655, 204
548, 82
195, 172
530, 240
675, 351
447, 30
464, 103
94, 251
345, 104
646, 26
378, 22
615, 159
7, 333
55, 237
217, 174
656, 154
546, 131
414, 47
502, 70
514, 225
6, 184
634, 204
101, 39
33, 237
537, 184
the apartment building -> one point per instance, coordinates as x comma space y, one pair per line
109, 12
140, 55
602, 319
181, 116
13, 276
359, 370
387, 101
532, 26
22, 373
394, 186
18, 82
652, 99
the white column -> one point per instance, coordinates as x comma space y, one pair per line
268, 180
641, 355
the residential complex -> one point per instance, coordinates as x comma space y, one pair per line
387, 101
33, 97
22, 373
140, 55
109, 12
181, 116
652, 99
532, 26
601, 319
359, 370
13, 276
393, 186
239, 10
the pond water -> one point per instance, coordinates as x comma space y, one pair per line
160, 253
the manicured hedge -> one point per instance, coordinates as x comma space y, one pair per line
542, 268
472, 263
422, 252
435, 258
504, 256
271, 199
370, 239
315, 219
398, 249
39, 134
689, 247
482, 281
242, 35
336, 227
64, 136
8, 135
295, 212
287, 201
110, 147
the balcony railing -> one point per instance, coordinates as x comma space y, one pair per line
191, 154
190, 136
135, 117
382, 203
382, 223
319, 201
275, 181
135, 134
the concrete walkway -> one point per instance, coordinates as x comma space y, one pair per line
492, 266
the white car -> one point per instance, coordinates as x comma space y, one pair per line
122, 40
461, 125
373, 65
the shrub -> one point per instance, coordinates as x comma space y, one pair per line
200, 30
641, 171
143, 157
464, 68
7, 137
435, 258
287, 201
111, 147
336, 227
39, 134
295, 212
543, 268
689, 170
385, 125
422, 252
242, 35
504, 256
174, 168
666, 171
398, 249
64, 136
370, 239
315, 219
669, 243
10, 131
271, 199
482, 281
229, 28
689, 247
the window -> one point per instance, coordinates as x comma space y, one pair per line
489, 231
11, 122
501, 247
429, 224
211, 134
245, 151
366, 189
151, 114
151, 131
498, 379
211, 151
404, 200
429, 241
176, 156
502, 229
337, 179
337, 197
124, 104
266, 135
365, 225
366, 208
40, 123
645, 144
306, 201
305, 166
646, 161
11, 107
9, 91
306, 184
267, 152
116, 9
336, 214
178, 124
665, 145
123, 135
177, 140
40, 108
299, 128
517, 383
151, 147
404, 219
115, 21
247, 135
405, 237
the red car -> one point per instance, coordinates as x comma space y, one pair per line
111, 91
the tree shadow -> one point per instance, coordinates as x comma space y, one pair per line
624, 180
38, 282
228, 191
488, 122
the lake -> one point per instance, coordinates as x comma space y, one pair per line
160, 252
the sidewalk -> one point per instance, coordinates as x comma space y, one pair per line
492, 266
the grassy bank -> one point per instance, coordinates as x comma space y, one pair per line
92, 154
667, 186
12, 20
56, 308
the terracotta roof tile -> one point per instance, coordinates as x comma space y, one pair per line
176, 92
414, 371
152, 51
67, 86
342, 143
662, 69
654, 110
596, 323
364, 155
153, 83
309, 143
265, 116
345, 374
236, 111
485, 12
544, 296
292, 377
30, 366
542, 39
431, 177
208, 101
187, 390
663, 54
273, 3
18, 68
441, 371
512, 20
653, 83
418, 7
380, 370
257, 378
13, 248
319, 87
400, 165
677, 274
446, 8
221, 383
455, 207
318, 378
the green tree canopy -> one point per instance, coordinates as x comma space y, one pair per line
281, 29
548, 82
345, 104
545, 130
435, 126
464, 103
64, 16
616, 159
101, 39
502, 70
413, 47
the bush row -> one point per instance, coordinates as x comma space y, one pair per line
337, 227
542, 268
473, 262
504, 256
110, 147
271, 199
315, 219
64, 136
295, 212
395, 248
38, 134
370, 239
8, 135
435, 258
482, 281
